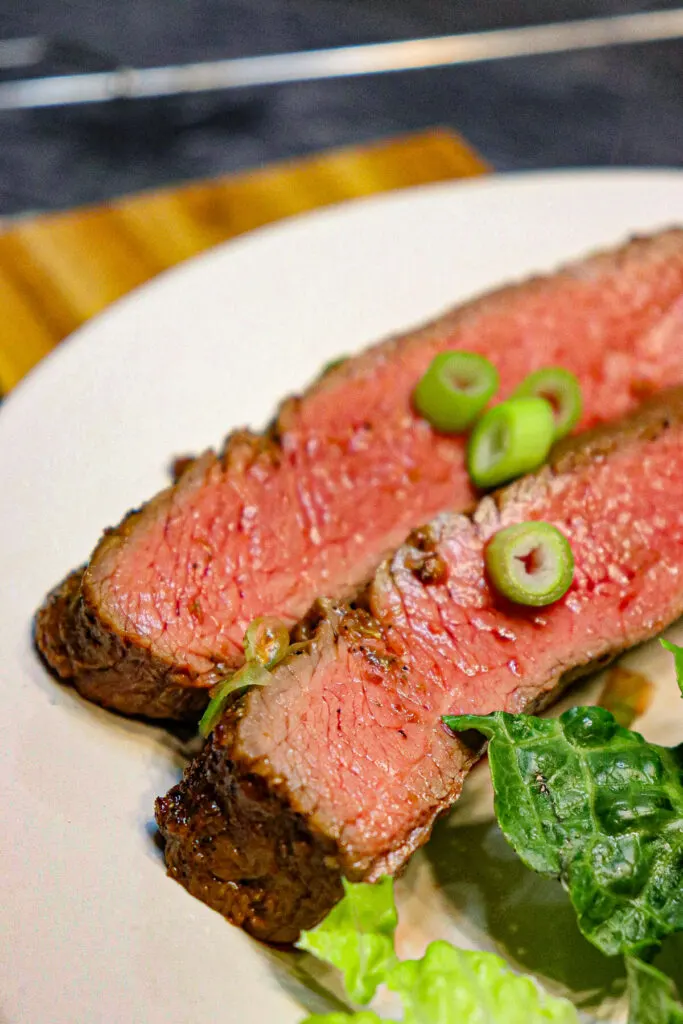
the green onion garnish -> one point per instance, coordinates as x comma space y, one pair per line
530, 563
509, 440
251, 674
333, 364
559, 387
455, 389
266, 641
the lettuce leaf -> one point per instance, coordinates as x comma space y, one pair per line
652, 995
447, 986
585, 800
678, 660
357, 936
362, 1017
454, 986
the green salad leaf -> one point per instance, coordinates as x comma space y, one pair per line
652, 995
357, 936
678, 660
362, 1017
447, 986
579, 798
583, 799
455, 986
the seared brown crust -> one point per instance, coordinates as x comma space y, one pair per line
54, 614
103, 667
235, 837
118, 671
228, 838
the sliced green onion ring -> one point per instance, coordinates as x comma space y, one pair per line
509, 440
266, 641
530, 563
251, 674
559, 387
455, 389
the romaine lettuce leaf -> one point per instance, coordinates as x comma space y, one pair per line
583, 799
447, 986
453, 986
678, 660
652, 995
357, 936
362, 1017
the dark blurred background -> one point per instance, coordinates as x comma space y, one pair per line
604, 107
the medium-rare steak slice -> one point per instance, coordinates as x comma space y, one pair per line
313, 505
341, 764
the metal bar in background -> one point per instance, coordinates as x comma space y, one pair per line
342, 62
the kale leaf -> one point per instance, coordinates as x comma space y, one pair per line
678, 660
652, 995
583, 799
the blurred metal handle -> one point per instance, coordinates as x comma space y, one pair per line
342, 62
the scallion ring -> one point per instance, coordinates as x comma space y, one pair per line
530, 563
509, 440
251, 674
266, 641
559, 387
455, 389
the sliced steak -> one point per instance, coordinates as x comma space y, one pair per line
311, 506
341, 765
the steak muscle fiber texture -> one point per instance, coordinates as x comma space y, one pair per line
312, 506
340, 765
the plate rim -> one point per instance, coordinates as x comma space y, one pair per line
195, 264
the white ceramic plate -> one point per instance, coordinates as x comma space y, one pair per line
92, 930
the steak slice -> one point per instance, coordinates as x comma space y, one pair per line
341, 764
313, 505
